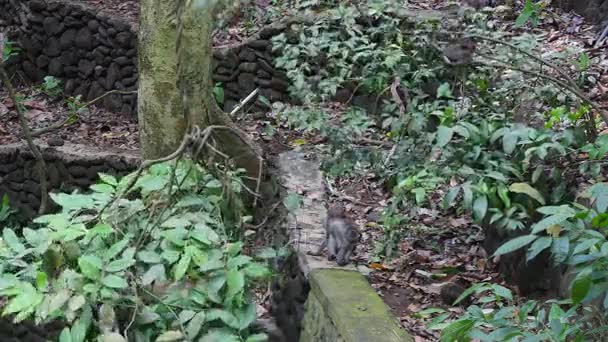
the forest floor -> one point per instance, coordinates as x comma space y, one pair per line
434, 249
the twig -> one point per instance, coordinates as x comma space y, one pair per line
41, 166
60, 124
245, 101
257, 226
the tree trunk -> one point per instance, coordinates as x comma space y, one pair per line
175, 87
160, 115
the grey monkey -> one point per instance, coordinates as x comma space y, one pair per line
341, 236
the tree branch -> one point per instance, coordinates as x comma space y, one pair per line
40, 165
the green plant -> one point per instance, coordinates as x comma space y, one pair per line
528, 322
5, 209
530, 13
51, 86
160, 262
9, 50
218, 93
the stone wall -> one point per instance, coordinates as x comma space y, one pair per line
69, 167
93, 53
89, 50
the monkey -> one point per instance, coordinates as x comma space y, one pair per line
341, 236
459, 53
451, 290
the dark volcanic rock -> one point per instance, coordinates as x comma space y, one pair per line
86, 67
66, 41
123, 39
55, 67
52, 48
52, 25
42, 61
84, 39
31, 71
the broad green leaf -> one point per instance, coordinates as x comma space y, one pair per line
113, 337
448, 199
235, 280
444, 135
81, 326
90, 266
119, 265
515, 244
218, 335
246, 315
256, 270
509, 142
581, 286
65, 335
224, 316
204, 234
457, 331
444, 91
560, 249
182, 266
149, 257
194, 326
525, 188
538, 246
480, 207
108, 179
12, 240
76, 302
116, 248
59, 299
502, 291
170, 336
114, 281
257, 338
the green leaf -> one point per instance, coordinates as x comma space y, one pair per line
81, 326
257, 338
444, 91
205, 235
525, 188
90, 266
149, 257
444, 135
170, 336
114, 281
538, 246
117, 248
502, 291
515, 244
581, 286
256, 270
235, 280
457, 331
560, 249
182, 266
119, 265
65, 335
156, 272
246, 315
224, 316
480, 207
108, 179
194, 326
448, 199
59, 300
12, 240
509, 142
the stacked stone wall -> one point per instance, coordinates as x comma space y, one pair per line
68, 168
93, 52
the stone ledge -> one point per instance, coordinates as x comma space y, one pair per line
351, 307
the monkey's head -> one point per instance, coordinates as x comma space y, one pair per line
336, 210
467, 44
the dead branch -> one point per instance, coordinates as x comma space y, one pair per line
40, 165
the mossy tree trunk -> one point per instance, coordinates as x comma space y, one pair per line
175, 87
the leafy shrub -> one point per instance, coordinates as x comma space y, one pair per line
158, 263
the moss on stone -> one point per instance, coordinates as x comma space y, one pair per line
354, 307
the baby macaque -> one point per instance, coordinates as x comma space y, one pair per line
459, 53
341, 236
